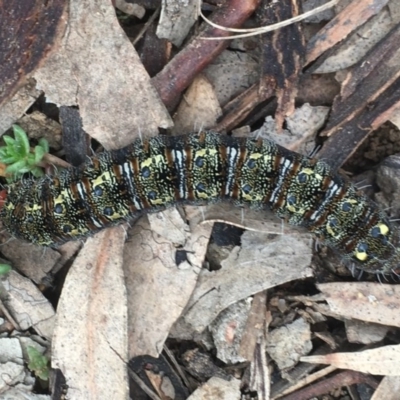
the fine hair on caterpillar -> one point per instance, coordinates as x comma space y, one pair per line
152, 174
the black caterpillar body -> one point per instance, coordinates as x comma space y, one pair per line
154, 174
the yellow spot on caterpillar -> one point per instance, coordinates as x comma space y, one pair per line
256, 156
384, 229
205, 153
160, 201
361, 255
117, 216
35, 207
252, 196
104, 177
329, 229
156, 160
59, 199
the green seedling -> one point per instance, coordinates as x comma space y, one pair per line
19, 157
38, 363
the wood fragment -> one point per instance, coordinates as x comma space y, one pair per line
346, 378
282, 54
181, 70
368, 99
240, 107
27, 35
350, 18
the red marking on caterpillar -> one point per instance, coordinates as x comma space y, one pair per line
157, 173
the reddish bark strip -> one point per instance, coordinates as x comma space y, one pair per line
179, 73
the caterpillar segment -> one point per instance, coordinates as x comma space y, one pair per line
157, 173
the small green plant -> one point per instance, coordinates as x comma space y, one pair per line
4, 269
38, 363
18, 155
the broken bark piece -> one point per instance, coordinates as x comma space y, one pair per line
180, 72
154, 52
369, 79
282, 54
346, 378
241, 106
256, 326
75, 141
339, 147
201, 366
347, 21
27, 34
368, 98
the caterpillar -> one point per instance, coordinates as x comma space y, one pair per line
153, 174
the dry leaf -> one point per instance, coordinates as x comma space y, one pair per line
160, 279
230, 73
381, 361
218, 388
364, 332
199, 109
252, 220
388, 389
18, 105
33, 261
170, 225
90, 339
27, 304
12, 371
278, 260
95, 65
371, 302
28, 33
